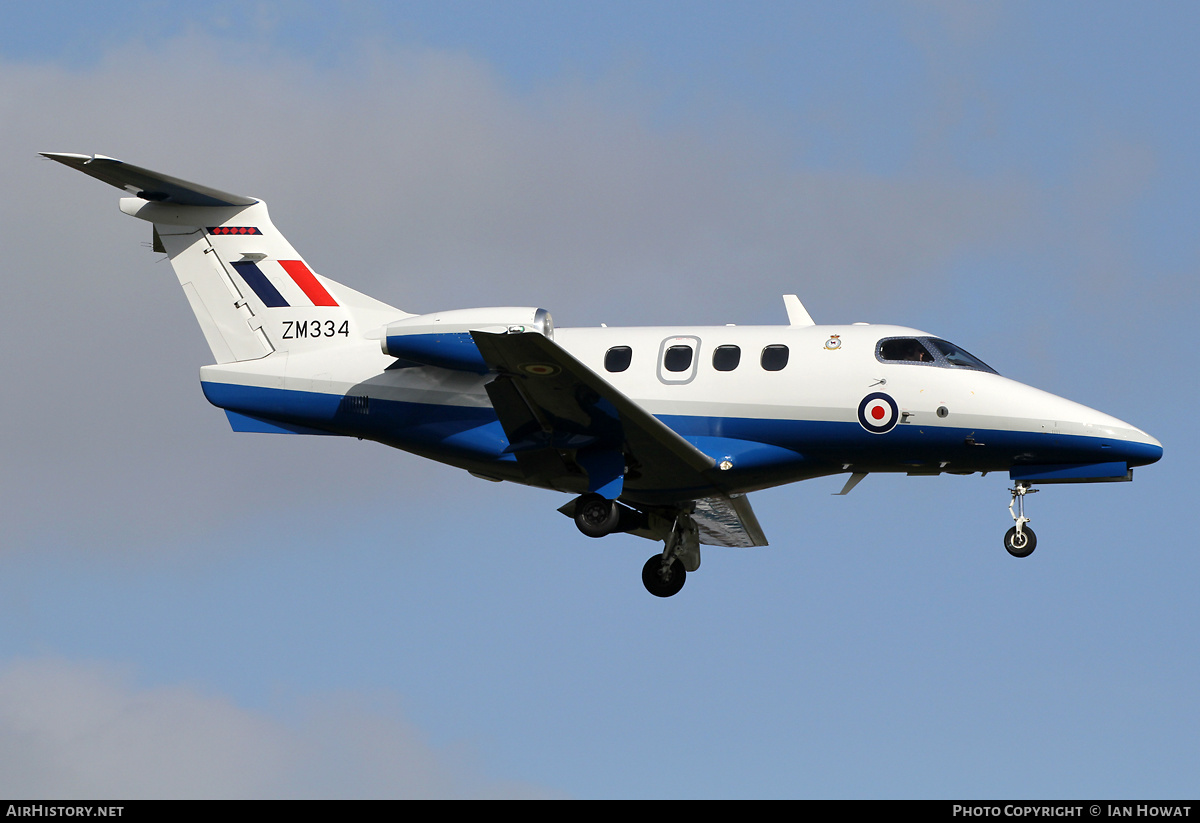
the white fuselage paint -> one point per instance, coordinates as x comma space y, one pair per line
823, 382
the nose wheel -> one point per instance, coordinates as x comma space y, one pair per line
1020, 541
1020, 544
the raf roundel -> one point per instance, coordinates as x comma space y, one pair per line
877, 413
540, 369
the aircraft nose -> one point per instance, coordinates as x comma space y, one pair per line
1098, 437
1142, 449
1121, 441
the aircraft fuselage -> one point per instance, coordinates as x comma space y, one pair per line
786, 410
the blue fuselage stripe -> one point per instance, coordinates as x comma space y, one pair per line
806, 447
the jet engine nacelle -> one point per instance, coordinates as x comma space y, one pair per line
443, 338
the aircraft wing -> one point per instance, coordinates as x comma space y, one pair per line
563, 419
146, 184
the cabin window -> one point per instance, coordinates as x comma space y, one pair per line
726, 358
678, 358
618, 358
774, 358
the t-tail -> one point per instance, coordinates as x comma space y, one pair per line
252, 293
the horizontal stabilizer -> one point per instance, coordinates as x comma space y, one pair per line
148, 185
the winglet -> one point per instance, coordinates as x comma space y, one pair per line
146, 184
797, 314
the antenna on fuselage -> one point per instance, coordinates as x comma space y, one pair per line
797, 314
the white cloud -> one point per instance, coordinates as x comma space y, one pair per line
71, 730
74, 730
422, 175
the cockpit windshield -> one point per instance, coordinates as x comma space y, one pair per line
929, 351
959, 357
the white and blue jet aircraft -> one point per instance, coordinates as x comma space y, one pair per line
658, 432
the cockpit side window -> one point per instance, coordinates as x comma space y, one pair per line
904, 350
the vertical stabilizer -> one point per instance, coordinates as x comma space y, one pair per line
251, 292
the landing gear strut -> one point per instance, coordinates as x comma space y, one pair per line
664, 574
1020, 541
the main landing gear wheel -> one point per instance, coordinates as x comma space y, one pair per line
663, 581
597, 516
1020, 545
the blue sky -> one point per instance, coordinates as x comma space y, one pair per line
185, 611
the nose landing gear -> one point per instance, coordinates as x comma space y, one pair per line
1020, 541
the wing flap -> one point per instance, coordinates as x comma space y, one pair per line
528, 435
728, 521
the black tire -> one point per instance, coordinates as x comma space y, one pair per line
597, 516
1028, 542
663, 582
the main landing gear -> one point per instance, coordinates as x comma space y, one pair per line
1020, 541
662, 578
665, 572
597, 516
